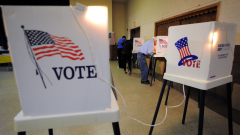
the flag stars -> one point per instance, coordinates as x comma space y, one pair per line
38, 37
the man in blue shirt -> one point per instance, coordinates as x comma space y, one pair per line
119, 51
146, 49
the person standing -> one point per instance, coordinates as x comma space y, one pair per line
119, 51
146, 49
127, 55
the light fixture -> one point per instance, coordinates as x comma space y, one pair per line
97, 15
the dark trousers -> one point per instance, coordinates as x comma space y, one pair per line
127, 58
119, 52
143, 66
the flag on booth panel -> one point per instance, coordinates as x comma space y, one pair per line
161, 41
182, 46
44, 44
137, 42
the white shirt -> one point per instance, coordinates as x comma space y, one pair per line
147, 48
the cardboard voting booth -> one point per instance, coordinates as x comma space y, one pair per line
161, 47
53, 61
202, 51
137, 44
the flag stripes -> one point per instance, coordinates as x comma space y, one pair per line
47, 45
182, 46
161, 41
137, 42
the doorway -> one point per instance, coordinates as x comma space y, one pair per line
135, 32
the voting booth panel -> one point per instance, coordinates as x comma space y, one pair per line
202, 51
137, 44
161, 47
53, 61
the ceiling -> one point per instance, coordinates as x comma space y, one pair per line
119, 1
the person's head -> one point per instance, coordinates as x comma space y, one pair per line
123, 36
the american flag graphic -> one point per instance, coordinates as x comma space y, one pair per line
182, 46
137, 42
44, 44
161, 41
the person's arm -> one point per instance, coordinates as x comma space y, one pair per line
123, 42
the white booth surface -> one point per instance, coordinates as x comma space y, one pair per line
199, 84
201, 52
110, 115
137, 44
53, 61
161, 47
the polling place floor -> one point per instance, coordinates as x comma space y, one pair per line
141, 102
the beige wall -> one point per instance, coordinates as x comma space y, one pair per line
107, 3
147, 12
118, 20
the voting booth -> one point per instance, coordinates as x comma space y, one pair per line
137, 44
202, 51
200, 55
160, 50
53, 50
59, 55
161, 47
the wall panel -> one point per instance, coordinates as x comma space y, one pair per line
107, 3
118, 21
147, 12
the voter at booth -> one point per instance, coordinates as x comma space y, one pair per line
119, 51
146, 49
127, 55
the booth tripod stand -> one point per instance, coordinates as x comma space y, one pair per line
170, 84
154, 59
211, 84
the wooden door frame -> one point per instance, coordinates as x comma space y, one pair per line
190, 12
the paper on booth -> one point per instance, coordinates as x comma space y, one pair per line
52, 59
137, 44
202, 51
112, 38
161, 47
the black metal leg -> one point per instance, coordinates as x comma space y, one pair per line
169, 84
154, 67
201, 112
229, 98
153, 71
150, 63
198, 98
116, 128
21, 133
158, 105
50, 131
186, 105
